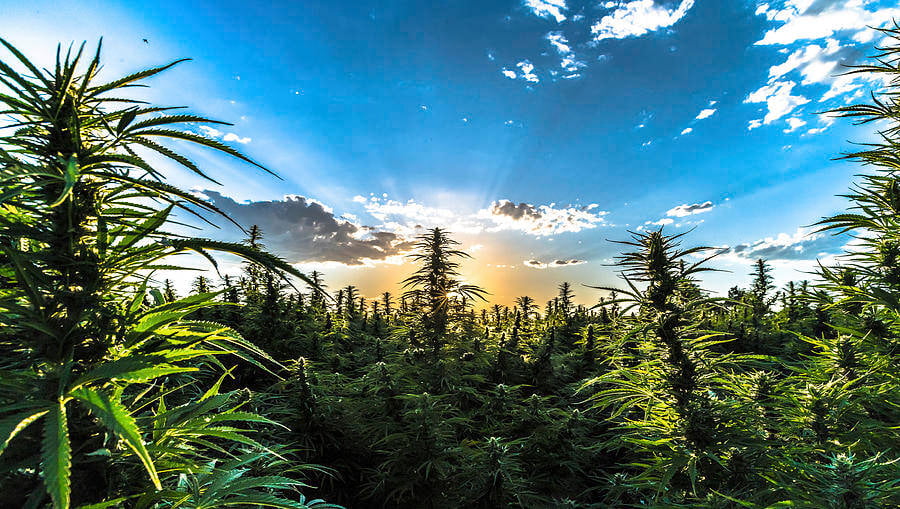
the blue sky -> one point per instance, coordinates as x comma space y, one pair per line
535, 130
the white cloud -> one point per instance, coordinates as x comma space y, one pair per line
687, 130
662, 222
778, 99
688, 210
569, 63
548, 8
559, 41
542, 220
834, 29
637, 18
811, 20
803, 244
753, 124
509, 74
210, 131
794, 123
217, 134
236, 138
527, 69
706, 113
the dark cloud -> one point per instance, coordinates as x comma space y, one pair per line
687, 210
560, 263
515, 211
537, 264
303, 230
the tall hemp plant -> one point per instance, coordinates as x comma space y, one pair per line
665, 392
438, 278
91, 354
846, 408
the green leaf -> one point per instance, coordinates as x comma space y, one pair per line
131, 78
14, 424
116, 502
117, 420
70, 177
56, 455
136, 368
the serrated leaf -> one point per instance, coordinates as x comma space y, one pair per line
115, 418
56, 456
14, 424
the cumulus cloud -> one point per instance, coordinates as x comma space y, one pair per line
817, 19
662, 222
236, 138
548, 8
778, 99
538, 264
515, 211
803, 244
408, 217
794, 123
214, 133
542, 220
636, 18
819, 38
687, 130
527, 69
690, 209
300, 229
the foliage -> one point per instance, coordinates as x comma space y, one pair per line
92, 353
115, 391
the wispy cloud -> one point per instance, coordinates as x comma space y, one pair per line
636, 18
778, 100
829, 34
811, 20
559, 42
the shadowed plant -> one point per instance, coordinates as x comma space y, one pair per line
85, 219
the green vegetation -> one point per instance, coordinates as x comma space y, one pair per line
116, 392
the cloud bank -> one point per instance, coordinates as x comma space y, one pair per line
303, 230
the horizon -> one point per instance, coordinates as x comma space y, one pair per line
532, 130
